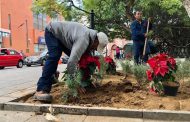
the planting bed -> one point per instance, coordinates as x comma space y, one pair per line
118, 93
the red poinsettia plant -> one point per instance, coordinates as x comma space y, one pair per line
87, 66
83, 75
111, 67
162, 69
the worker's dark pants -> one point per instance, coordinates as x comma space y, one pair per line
55, 49
138, 47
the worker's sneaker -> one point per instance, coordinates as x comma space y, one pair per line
43, 97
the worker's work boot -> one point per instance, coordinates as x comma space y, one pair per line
43, 97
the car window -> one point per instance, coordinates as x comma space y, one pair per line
1, 53
17, 53
13, 52
44, 53
4, 52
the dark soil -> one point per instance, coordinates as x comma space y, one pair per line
115, 92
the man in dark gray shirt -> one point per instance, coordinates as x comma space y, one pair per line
74, 40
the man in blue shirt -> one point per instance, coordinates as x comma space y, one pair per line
138, 28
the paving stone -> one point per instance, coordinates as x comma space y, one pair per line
37, 118
71, 118
10, 116
110, 119
21, 93
148, 120
4, 99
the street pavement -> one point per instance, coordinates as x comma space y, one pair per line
16, 82
15, 116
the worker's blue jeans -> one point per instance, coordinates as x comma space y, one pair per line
55, 49
138, 47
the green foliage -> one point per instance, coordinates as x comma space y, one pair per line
172, 6
110, 15
139, 72
126, 67
53, 8
183, 70
111, 68
73, 82
49, 7
165, 15
157, 87
103, 67
90, 4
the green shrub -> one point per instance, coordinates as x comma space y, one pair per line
126, 67
139, 72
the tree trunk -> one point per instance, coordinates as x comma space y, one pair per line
186, 4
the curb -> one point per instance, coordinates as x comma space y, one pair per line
98, 111
167, 115
120, 112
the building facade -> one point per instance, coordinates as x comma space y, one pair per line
20, 28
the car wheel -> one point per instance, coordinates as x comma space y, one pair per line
2, 67
20, 64
43, 62
28, 65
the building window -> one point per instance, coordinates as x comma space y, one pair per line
35, 21
39, 48
44, 21
39, 21
36, 48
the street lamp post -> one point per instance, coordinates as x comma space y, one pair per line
92, 19
92, 14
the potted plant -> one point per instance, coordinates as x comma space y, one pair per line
161, 73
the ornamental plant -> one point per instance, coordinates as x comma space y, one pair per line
87, 66
139, 72
103, 67
183, 72
127, 68
162, 69
111, 66
82, 77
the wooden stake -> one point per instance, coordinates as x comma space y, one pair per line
147, 29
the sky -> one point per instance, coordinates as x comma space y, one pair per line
76, 2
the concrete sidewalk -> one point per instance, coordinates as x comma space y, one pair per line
14, 116
16, 83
